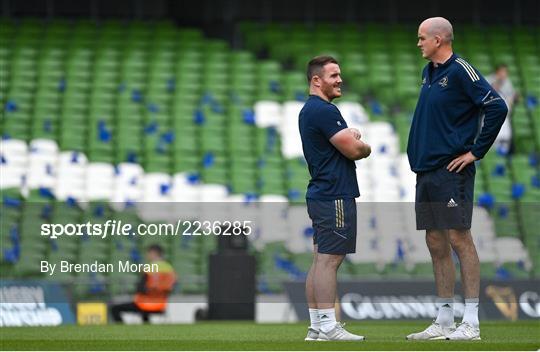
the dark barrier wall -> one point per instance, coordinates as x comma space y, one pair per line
207, 12
380, 300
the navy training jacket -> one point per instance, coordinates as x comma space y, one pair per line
448, 120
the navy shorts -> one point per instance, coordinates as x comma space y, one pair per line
444, 199
334, 222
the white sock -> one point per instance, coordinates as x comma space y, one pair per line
327, 319
314, 318
445, 316
471, 312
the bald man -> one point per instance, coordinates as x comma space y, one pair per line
444, 142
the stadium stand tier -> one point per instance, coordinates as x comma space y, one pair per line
99, 119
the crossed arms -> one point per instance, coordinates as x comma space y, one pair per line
348, 142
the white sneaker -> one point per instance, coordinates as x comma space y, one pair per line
312, 334
433, 332
465, 332
338, 333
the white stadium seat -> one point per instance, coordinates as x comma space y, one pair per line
267, 114
511, 250
127, 183
99, 181
155, 204
299, 225
43, 146
291, 142
70, 181
156, 187
382, 138
42, 164
354, 114
183, 190
14, 161
273, 218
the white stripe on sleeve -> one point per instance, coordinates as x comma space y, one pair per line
470, 71
486, 96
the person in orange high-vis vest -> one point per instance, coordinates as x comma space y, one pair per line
153, 289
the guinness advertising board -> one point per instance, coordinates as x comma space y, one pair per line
378, 300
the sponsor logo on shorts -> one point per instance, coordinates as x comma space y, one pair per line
452, 203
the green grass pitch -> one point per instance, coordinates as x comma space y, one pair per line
523, 335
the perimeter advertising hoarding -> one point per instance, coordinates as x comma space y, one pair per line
378, 300
34, 303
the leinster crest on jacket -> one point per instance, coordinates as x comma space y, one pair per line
444, 82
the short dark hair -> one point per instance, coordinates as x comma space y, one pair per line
316, 65
156, 248
501, 65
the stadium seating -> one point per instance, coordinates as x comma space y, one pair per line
97, 118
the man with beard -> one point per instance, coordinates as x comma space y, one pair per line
330, 149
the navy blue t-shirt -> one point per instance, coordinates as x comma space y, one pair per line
333, 176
